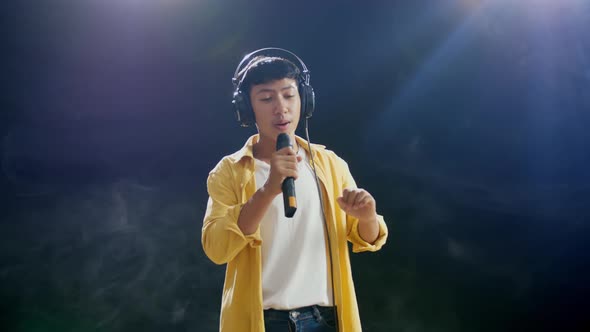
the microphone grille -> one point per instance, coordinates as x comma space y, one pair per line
283, 140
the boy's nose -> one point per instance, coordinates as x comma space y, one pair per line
281, 106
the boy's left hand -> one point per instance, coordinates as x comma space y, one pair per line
358, 203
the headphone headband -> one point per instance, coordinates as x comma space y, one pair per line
267, 52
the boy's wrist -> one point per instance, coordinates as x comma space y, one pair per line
266, 192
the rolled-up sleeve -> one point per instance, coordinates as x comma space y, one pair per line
358, 243
221, 237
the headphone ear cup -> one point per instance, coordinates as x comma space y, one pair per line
307, 100
242, 108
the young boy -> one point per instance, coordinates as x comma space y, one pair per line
285, 274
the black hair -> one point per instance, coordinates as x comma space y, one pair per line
264, 69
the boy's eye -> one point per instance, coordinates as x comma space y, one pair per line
266, 99
289, 96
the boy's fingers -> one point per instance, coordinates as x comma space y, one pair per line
287, 150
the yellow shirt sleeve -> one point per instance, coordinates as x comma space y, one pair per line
221, 237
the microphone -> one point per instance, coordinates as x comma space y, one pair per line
288, 185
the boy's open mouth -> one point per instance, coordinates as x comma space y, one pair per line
282, 125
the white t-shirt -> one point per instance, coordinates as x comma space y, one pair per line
295, 262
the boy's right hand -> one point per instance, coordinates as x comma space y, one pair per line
283, 164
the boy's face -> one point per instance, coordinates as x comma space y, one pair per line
277, 107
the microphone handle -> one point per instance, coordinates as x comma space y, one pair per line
289, 200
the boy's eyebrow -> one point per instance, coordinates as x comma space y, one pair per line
272, 90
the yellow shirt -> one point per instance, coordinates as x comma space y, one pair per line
230, 184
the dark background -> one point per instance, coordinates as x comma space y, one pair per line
466, 119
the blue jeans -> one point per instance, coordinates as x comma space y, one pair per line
308, 319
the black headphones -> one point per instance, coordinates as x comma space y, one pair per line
241, 100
